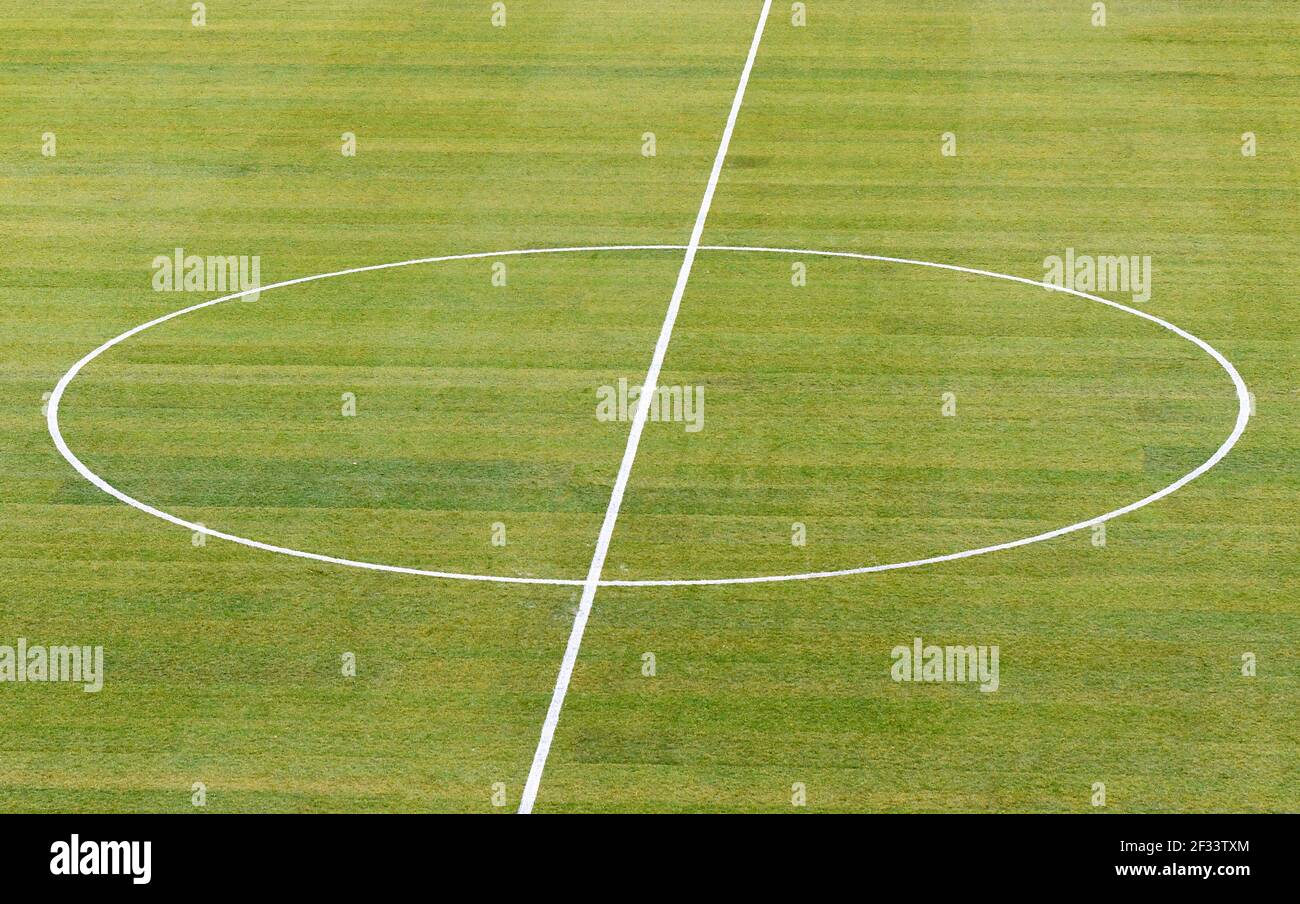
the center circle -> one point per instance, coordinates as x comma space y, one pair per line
1241, 392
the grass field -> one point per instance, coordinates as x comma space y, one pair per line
475, 404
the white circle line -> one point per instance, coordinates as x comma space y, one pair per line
1243, 416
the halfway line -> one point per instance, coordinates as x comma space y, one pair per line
648, 388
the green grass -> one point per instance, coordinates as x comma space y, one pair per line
475, 404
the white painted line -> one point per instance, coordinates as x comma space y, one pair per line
52, 417
1243, 417
648, 387
1242, 394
